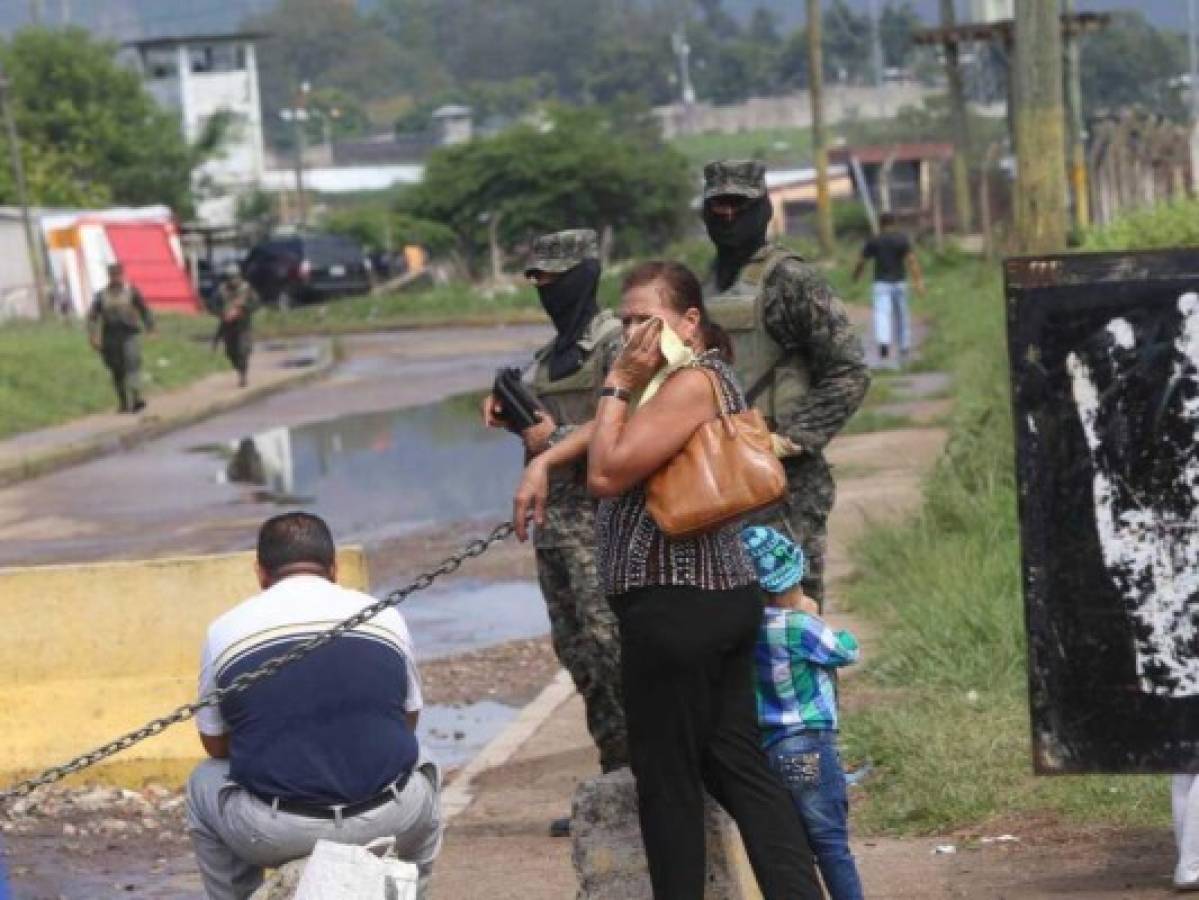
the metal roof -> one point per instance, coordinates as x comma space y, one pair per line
210, 38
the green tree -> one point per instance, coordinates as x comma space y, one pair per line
329, 46
846, 43
1132, 63
91, 135
897, 23
576, 170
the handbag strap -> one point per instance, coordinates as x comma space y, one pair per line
721, 410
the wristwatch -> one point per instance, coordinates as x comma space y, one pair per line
618, 392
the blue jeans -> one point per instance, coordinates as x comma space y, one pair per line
811, 767
891, 314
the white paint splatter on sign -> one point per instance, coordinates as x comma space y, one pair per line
1150, 546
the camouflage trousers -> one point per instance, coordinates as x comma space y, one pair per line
804, 515
122, 354
239, 344
586, 639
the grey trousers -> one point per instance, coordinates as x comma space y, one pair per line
236, 835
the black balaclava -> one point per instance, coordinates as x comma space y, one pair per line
570, 302
738, 239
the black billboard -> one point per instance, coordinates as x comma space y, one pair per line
1104, 353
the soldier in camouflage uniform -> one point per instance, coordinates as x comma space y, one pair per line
115, 321
567, 375
238, 303
799, 360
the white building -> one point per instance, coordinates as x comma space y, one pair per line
199, 77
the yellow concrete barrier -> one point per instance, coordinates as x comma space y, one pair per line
89, 652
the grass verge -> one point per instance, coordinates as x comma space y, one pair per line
448, 305
951, 744
49, 374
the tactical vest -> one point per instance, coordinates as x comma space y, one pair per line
780, 377
572, 400
117, 309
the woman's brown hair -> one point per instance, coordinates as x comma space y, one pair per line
681, 291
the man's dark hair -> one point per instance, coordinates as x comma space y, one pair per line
886, 220
295, 537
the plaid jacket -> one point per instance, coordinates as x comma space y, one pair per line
792, 660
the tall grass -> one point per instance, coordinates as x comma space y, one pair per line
951, 740
49, 374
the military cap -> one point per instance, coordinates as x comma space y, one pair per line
735, 177
562, 250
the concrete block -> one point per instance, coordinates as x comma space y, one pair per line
609, 858
107, 646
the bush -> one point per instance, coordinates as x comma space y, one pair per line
1171, 224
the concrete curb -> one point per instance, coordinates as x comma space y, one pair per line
51, 460
460, 794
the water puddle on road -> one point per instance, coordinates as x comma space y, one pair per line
381, 473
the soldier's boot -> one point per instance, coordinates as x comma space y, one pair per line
122, 396
136, 403
243, 377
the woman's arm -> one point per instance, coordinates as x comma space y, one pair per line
626, 450
533, 489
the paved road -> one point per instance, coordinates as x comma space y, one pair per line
163, 497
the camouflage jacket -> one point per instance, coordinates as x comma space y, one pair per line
116, 313
237, 298
570, 518
804, 316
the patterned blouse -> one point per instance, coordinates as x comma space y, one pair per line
634, 552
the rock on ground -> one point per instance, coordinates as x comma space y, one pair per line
283, 881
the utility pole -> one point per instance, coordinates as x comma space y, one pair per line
1041, 220
1193, 44
960, 122
32, 245
1074, 126
824, 209
876, 56
298, 116
35, 13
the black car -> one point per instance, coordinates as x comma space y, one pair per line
289, 271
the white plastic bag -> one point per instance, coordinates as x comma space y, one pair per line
350, 872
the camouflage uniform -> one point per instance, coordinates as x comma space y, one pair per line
795, 345
117, 316
582, 625
236, 296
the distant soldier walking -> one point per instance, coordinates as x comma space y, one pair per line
115, 322
566, 380
237, 304
796, 354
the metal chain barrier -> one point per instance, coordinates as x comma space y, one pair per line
451, 564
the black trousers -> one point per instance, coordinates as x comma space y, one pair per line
687, 667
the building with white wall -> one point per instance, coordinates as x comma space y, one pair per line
201, 76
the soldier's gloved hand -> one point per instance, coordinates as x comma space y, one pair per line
1137, 397
784, 447
491, 413
537, 437
531, 494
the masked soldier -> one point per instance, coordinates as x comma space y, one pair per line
568, 373
115, 321
797, 355
237, 304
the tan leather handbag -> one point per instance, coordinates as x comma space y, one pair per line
726, 470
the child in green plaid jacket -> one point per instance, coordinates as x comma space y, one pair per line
797, 704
